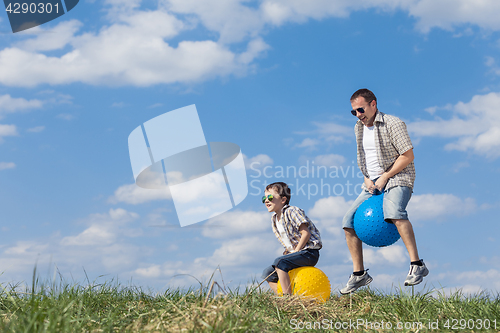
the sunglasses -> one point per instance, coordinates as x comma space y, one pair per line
269, 197
360, 110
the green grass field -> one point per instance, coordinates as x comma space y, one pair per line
111, 307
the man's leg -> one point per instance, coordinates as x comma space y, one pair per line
418, 270
405, 230
359, 277
395, 202
355, 248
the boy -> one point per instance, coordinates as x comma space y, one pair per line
295, 231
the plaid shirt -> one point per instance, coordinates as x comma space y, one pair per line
391, 140
292, 218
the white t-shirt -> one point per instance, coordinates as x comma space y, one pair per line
284, 237
372, 165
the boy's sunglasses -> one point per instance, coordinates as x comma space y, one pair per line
360, 110
269, 197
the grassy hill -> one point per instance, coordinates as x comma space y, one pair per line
110, 307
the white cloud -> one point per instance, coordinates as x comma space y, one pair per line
327, 133
439, 206
118, 105
103, 229
55, 39
7, 130
393, 255
448, 14
444, 14
7, 165
23, 247
257, 162
327, 214
103, 247
329, 160
235, 21
132, 51
471, 282
133, 194
244, 251
470, 125
230, 18
308, 143
36, 129
152, 271
22, 256
66, 116
12, 105
237, 223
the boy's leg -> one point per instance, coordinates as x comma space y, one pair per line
286, 263
273, 286
271, 277
284, 278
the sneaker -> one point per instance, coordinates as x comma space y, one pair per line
416, 274
356, 282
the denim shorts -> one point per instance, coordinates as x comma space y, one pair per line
395, 202
307, 257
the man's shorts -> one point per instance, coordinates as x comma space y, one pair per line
286, 263
395, 202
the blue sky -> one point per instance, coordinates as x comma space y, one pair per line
274, 77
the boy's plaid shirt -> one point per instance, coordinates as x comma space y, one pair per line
391, 140
293, 217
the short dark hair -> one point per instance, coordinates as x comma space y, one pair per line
282, 189
368, 95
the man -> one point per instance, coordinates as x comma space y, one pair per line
385, 157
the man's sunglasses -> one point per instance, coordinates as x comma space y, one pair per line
269, 197
360, 110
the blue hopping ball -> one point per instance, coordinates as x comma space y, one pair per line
370, 226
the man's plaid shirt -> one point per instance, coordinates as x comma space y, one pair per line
293, 217
391, 140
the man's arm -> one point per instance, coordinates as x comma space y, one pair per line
401, 162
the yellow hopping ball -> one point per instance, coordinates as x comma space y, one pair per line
310, 282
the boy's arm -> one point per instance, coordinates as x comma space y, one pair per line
304, 238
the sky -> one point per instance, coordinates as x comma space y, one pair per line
275, 78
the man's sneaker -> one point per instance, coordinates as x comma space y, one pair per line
416, 274
356, 282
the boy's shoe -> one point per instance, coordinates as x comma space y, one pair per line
416, 274
356, 282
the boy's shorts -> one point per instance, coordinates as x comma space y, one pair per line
307, 257
394, 206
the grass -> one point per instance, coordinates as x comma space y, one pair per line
111, 307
